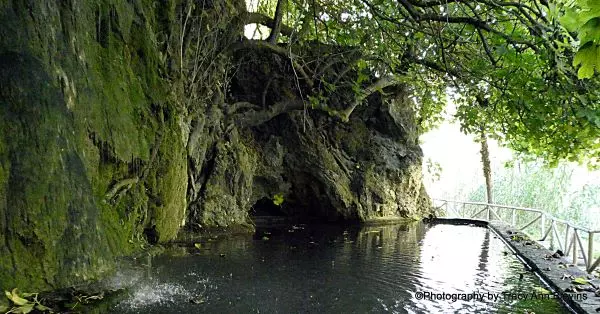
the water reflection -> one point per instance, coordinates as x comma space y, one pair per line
335, 269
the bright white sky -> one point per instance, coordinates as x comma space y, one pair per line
460, 160
250, 30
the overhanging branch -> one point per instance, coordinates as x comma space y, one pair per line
256, 118
477, 23
261, 44
258, 18
376, 86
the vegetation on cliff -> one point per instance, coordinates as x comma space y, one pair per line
513, 65
120, 121
118, 117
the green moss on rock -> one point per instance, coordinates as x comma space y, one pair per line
168, 184
228, 191
83, 107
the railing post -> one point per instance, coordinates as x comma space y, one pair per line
566, 239
574, 247
513, 220
542, 232
552, 224
488, 212
590, 255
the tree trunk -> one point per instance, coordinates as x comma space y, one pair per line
281, 4
485, 161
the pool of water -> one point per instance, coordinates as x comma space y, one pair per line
339, 269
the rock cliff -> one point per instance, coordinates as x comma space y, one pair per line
112, 123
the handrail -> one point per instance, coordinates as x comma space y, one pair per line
490, 204
572, 239
520, 208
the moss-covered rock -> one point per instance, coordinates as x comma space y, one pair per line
368, 168
227, 192
91, 148
102, 136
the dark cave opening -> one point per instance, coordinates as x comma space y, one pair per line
266, 207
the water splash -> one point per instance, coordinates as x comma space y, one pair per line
154, 293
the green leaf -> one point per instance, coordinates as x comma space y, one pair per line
26, 308
362, 64
593, 6
575, 18
41, 307
580, 281
198, 245
361, 77
542, 290
15, 298
27, 295
571, 21
590, 31
278, 199
587, 57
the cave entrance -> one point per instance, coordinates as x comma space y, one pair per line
266, 207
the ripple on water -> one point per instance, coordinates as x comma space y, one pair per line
380, 270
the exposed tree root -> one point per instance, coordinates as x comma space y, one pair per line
125, 183
261, 44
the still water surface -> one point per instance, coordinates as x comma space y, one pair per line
338, 269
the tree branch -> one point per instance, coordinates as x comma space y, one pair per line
258, 18
434, 66
256, 118
281, 7
479, 24
378, 85
261, 44
233, 108
486, 47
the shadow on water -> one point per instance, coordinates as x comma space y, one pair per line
330, 268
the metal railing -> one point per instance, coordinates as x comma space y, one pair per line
533, 222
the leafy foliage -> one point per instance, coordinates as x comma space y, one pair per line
531, 184
23, 305
278, 199
510, 66
433, 169
583, 18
